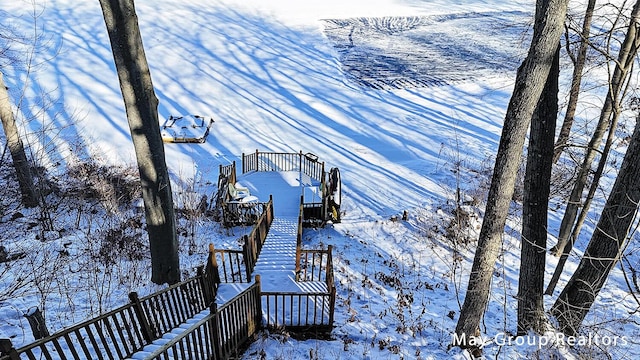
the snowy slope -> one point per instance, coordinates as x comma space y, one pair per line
281, 76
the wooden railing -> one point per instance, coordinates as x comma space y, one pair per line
311, 266
197, 342
238, 320
254, 241
230, 264
316, 265
126, 330
310, 166
169, 308
219, 335
237, 265
236, 213
299, 311
270, 161
307, 163
229, 171
227, 176
316, 213
116, 334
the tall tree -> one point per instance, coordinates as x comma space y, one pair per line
16, 148
584, 211
578, 66
606, 244
530, 80
141, 106
537, 184
610, 109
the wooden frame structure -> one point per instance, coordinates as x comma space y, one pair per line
315, 213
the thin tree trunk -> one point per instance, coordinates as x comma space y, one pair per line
530, 80
584, 211
537, 184
141, 105
576, 79
606, 244
620, 73
16, 148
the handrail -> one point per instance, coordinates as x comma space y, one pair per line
307, 163
251, 248
124, 330
299, 235
156, 354
295, 309
218, 338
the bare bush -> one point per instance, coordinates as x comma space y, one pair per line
113, 186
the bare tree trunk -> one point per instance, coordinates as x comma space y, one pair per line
611, 105
584, 211
530, 80
38, 325
142, 113
606, 244
537, 185
16, 148
574, 92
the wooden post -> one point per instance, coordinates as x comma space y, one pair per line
212, 266
235, 177
213, 261
248, 257
7, 349
300, 163
256, 313
270, 212
147, 332
38, 325
329, 270
257, 161
332, 305
299, 236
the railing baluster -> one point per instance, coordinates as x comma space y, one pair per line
111, 334
56, 344
71, 346
82, 343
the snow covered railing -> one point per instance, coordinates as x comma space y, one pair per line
124, 331
230, 265
299, 311
230, 262
229, 171
116, 334
254, 241
236, 213
322, 188
227, 176
316, 265
307, 164
167, 309
219, 335
316, 306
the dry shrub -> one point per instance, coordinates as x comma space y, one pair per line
113, 186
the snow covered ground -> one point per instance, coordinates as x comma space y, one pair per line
406, 97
